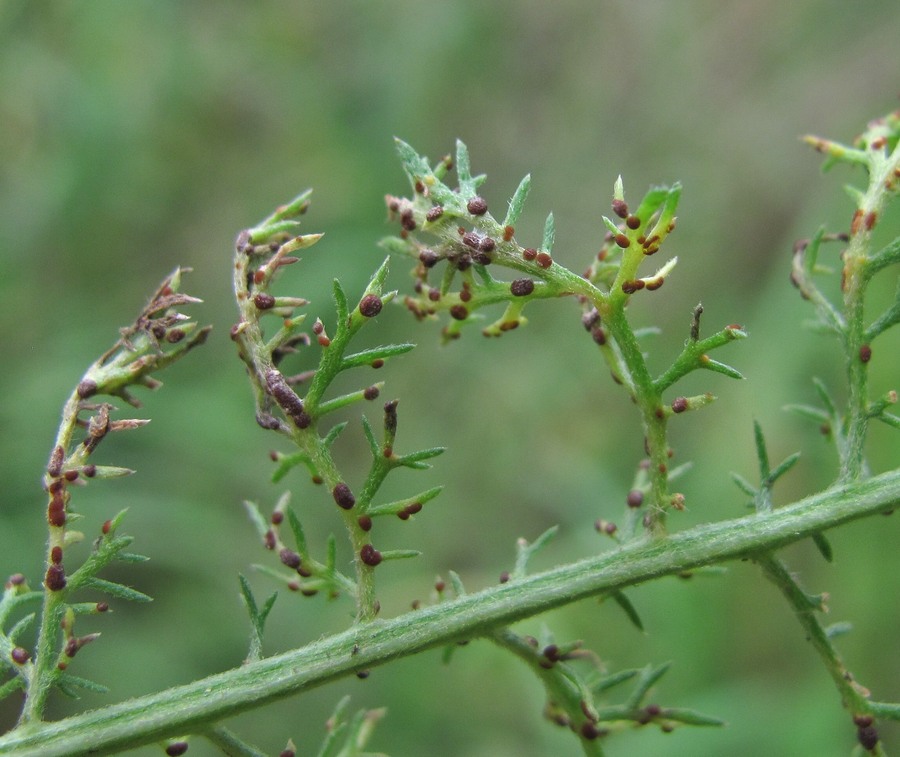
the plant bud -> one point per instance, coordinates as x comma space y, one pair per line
370, 305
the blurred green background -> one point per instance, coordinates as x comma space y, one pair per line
136, 136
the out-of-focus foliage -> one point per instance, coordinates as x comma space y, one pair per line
137, 136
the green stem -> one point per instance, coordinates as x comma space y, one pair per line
40, 682
561, 691
805, 607
193, 707
856, 275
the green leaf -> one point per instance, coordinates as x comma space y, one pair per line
397, 246
69, 685
414, 164
651, 203
340, 304
286, 463
838, 629
679, 470
688, 717
611, 226
399, 554
824, 546
783, 467
297, 206
256, 517
524, 550
762, 456
826, 398
628, 608
517, 202
726, 370
463, 170
120, 591
392, 508
549, 234
374, 446
297, 531
329, 439
648, 676
890, 419
337, 403
367, 357
810, 413
131, 557
416, 459
257, 617
11, 686
614, 679
456, 582
20, 627
744, 485
376, 283
111, 471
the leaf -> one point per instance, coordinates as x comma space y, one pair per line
11, 686
257, 617
340, 304
648, 676
329, 439
517, 202
416, 459
397, 506
783, 467
651, 203
110, 471
20, 627
890, 419
810, 413
743, 485
256, 517
611, 226
376, 283
131, 557
525, 550
726, 370
463, 170
297, 531
608, 682
367, 357
824, 546
415, 165
286, 463
838, 629
628, 608
762, 455
689, 717
549, 234
457, 584
399, 554
374, 446
68, 685
826, 398
120, 591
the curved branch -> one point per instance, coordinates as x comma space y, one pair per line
193, 707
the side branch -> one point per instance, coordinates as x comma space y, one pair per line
193, 707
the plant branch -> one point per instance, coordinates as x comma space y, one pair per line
193, 707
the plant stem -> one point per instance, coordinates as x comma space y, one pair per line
856, 276
805, 607
193, 707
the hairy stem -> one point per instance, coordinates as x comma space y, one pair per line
193, 707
